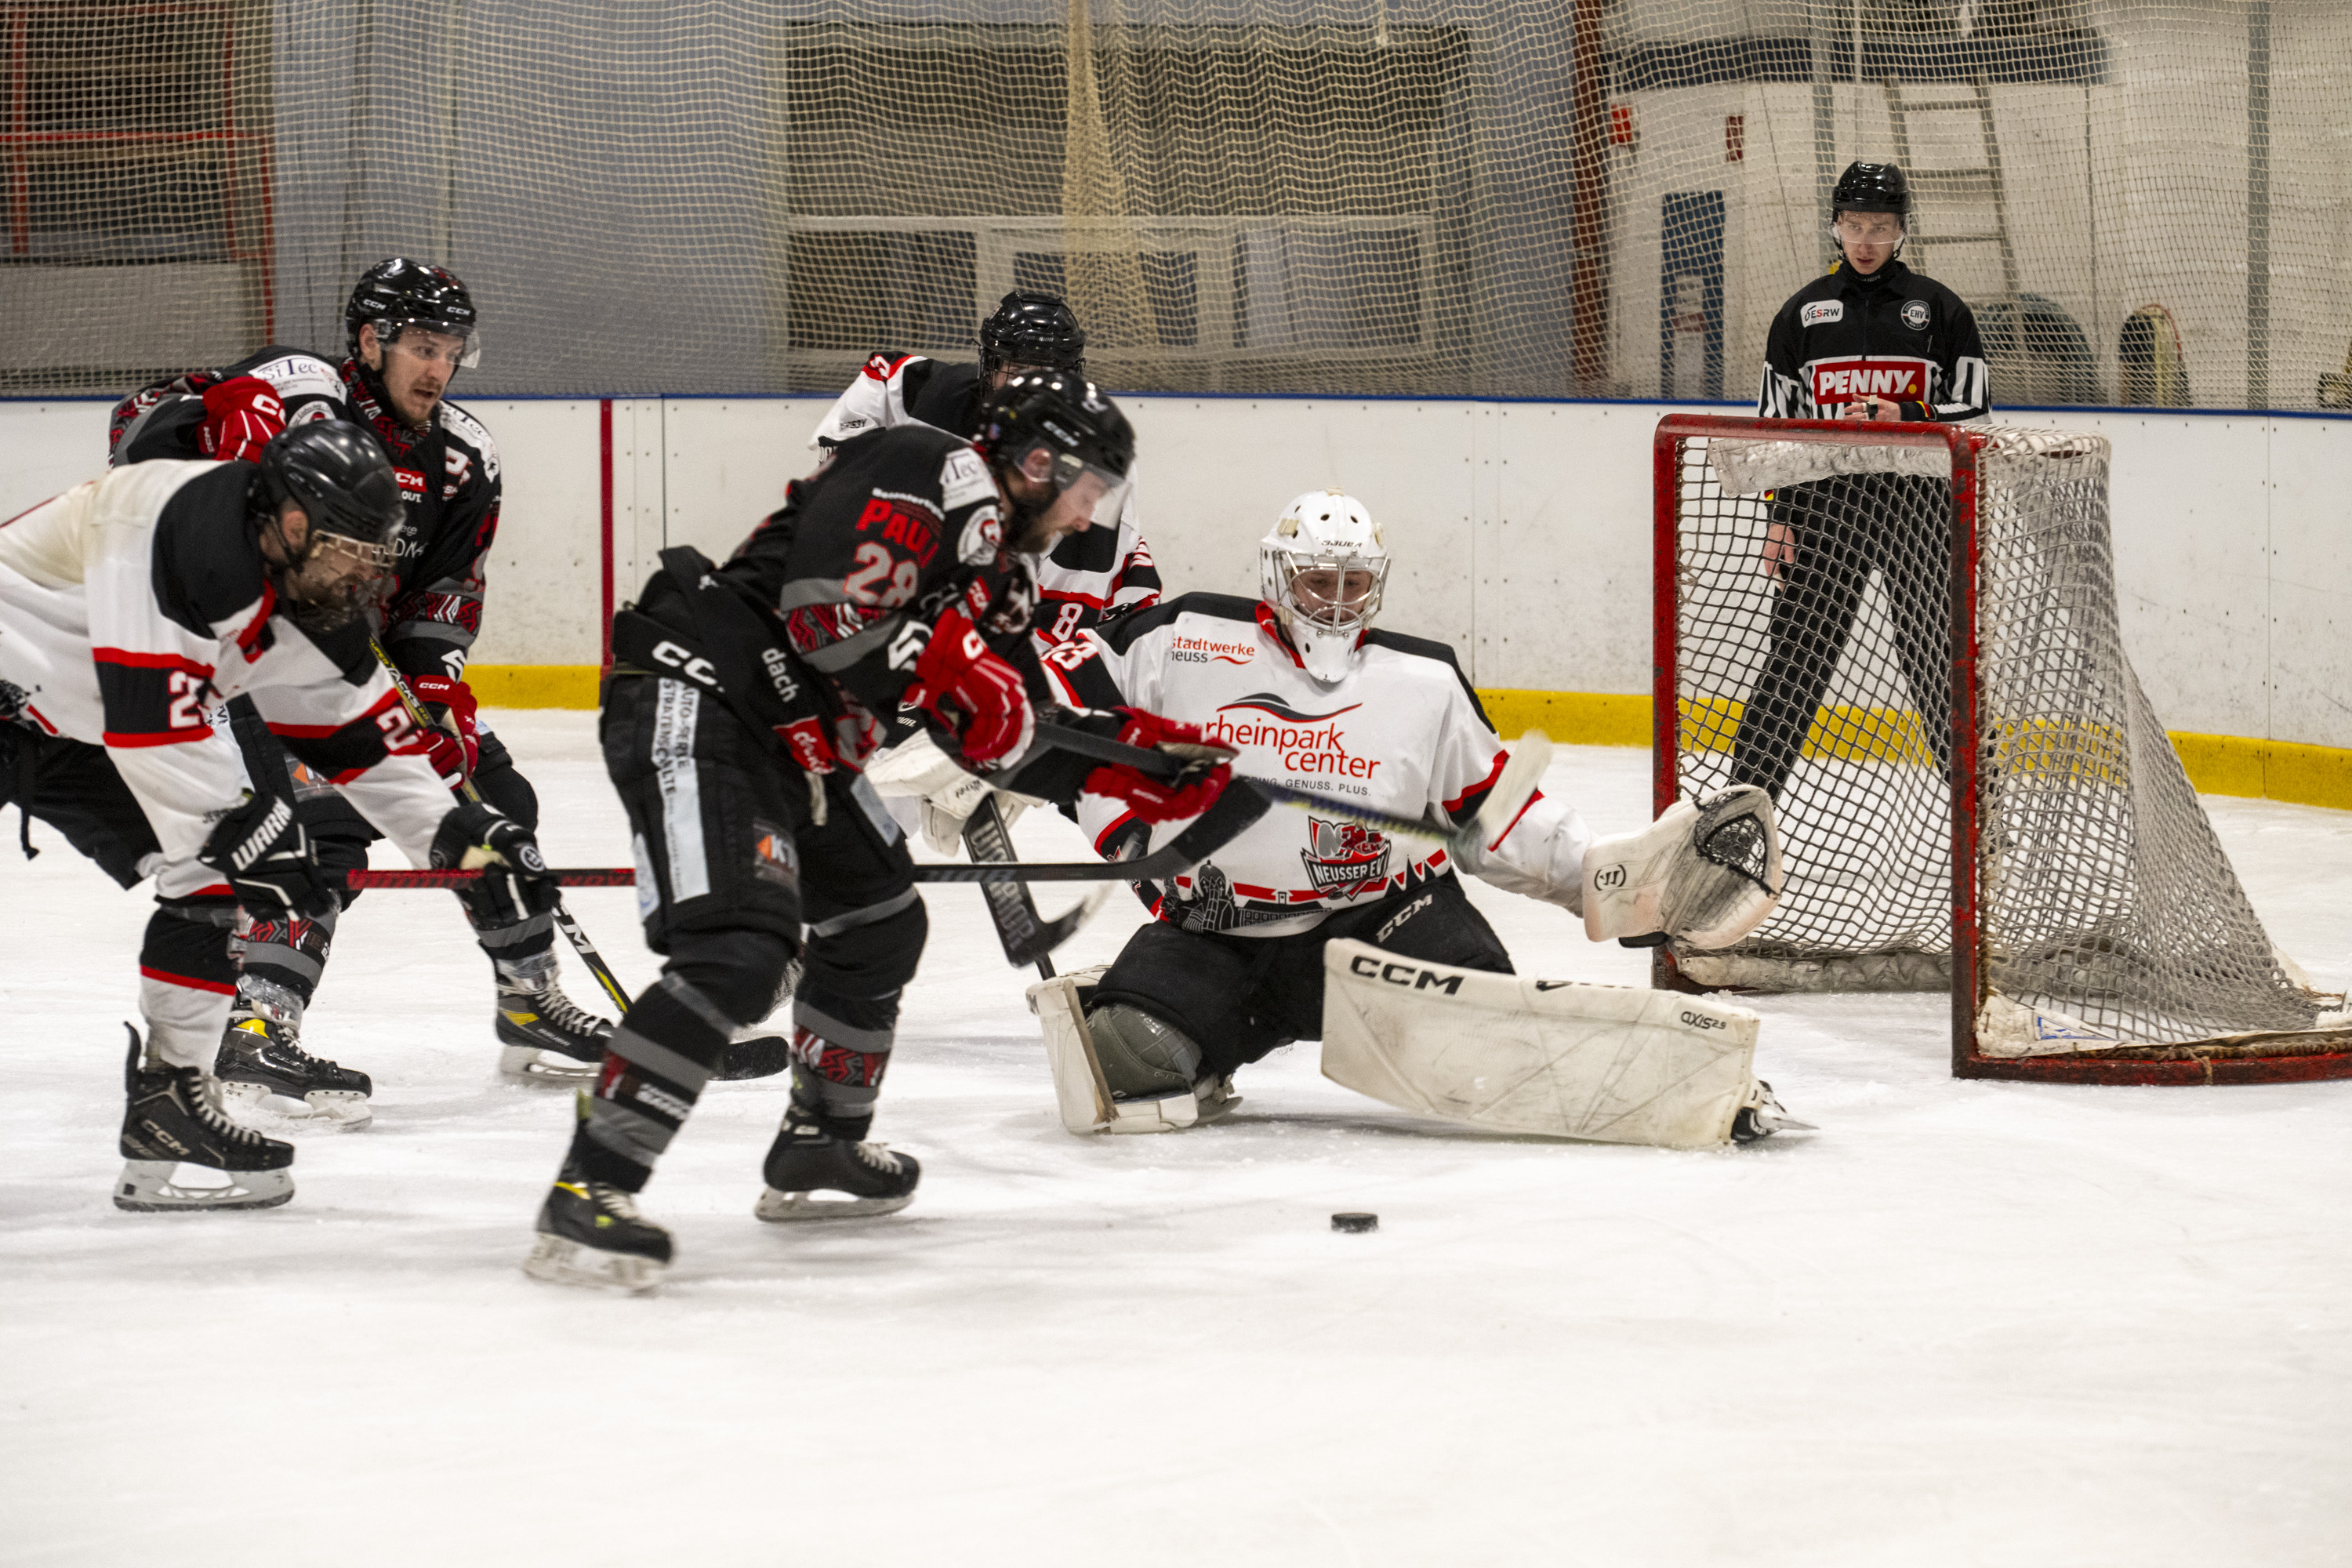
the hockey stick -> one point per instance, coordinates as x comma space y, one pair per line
1514, 787
563, 920
1028, 937
1235, 810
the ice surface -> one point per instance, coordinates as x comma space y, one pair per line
1966, 1324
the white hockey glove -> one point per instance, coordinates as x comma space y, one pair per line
1704, 873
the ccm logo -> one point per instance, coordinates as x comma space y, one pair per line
1610, 877
693, 666
1701, 1021
1404, 974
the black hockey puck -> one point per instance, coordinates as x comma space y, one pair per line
1355, 1222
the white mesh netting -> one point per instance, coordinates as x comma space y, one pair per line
2147, 200
2110, 913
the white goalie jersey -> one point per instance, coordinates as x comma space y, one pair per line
1402, 733
1088, 578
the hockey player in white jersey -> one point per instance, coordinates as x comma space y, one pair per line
131, 606
1313, 696
409, 328
1088, 578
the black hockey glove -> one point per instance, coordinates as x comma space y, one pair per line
261, 849
515, 883
473, 836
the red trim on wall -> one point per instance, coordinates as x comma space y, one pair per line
604, 515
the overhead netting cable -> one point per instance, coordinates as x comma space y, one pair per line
2145, 200
2108, 904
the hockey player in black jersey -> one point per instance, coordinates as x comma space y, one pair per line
1872, 341
409, 328
742, 702
129, 607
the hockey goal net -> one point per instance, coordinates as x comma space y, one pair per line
1908, 634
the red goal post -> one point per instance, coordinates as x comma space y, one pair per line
2037, 848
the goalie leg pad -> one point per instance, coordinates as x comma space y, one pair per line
1606, 1063
1707, 873
1082, 1088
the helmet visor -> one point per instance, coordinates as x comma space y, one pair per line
1089, 488
453, 344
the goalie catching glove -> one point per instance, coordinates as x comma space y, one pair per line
1706, 873
1192, 789
262, 851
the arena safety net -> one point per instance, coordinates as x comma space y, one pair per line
2145, 200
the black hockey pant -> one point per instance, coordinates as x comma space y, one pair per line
185, 959
736, 877
1238, 998
1845, 529
284, 955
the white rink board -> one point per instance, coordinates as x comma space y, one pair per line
1967, 1324
1523, 528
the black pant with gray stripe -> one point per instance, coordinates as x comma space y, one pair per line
736, 876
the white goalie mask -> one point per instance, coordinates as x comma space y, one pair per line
1323, 569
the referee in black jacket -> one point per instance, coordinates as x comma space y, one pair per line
1870, 340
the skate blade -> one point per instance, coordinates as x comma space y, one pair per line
560, 1262
791, 1208
163, 1186
263, 1108
537, 1064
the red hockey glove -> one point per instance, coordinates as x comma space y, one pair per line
1208, 769
963, 684
241, 415
455, 743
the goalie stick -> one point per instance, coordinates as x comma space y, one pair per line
565, 922
1028, 937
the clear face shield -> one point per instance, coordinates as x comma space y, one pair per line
452, 347
1085, 495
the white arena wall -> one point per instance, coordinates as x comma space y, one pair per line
1523, 530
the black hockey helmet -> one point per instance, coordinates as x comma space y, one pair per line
397, 293
1078, 428
1872, 188
339, 476
1036, 330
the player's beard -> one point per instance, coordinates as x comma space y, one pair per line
1024, 529
320, 607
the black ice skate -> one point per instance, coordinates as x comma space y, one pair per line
262, 1067
180, 1153
1764, 1115
591, 1234
544, 1033
812, 1175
